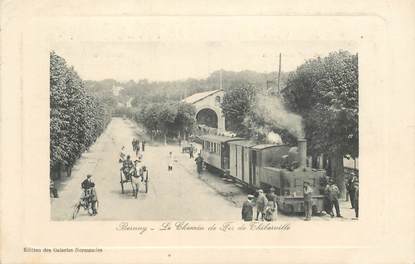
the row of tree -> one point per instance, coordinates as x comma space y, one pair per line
318, 102
168, 119
162, 120
77, 116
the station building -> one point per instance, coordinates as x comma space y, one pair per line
208, 110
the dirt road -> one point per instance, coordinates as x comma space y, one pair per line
179, 196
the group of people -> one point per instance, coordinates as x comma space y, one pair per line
138, 147
332, 195
266, 206
135, 171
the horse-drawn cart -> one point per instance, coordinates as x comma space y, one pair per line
136, 178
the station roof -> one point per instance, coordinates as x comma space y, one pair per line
199, 96
216, 138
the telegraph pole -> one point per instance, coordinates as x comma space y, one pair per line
279, 75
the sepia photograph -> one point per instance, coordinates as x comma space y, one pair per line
207, 131
204, 131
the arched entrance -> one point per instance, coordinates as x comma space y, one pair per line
207, 117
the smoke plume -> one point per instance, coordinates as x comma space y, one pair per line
272, 110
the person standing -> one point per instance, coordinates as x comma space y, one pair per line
248, 209
52, 189
307, 192
191, 151
134, 144
261, 202
137, 147
333, 193
351, 190
272, 201
136, 178
122, 155
143, 145
356, 198
199, 163
170, 165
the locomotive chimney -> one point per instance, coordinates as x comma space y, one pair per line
302, 151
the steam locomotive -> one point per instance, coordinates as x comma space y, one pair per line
264, 166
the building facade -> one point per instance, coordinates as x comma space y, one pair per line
208, 110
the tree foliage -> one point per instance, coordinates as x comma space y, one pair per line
167, 118
76, 118
236, 105
325, 92
144, 91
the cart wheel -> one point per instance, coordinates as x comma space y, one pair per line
121, 182
76, 210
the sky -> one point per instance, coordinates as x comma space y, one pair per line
170, 61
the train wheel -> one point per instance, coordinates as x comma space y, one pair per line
314, 210
289, 209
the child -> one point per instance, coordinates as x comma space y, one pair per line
269, 211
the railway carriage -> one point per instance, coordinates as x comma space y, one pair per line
240, 161
265, 166
215, 151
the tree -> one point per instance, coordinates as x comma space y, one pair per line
237, 103
325, 92
76, 118
185, 118
166, 117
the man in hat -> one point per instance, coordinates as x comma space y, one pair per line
332, 194
307, 192
127, 167
261, 202
248, 208
89, 193
87, 183
272, 197
350, 189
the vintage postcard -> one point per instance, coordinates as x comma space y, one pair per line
155, 132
